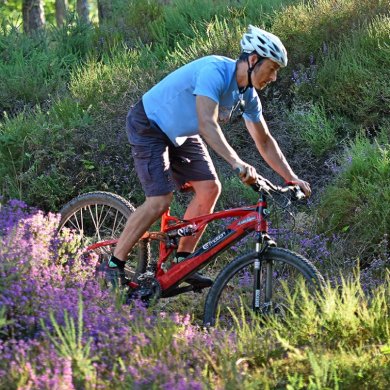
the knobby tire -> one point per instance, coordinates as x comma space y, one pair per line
233, 287
100, 216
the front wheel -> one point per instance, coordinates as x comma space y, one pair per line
233, 298
101, 216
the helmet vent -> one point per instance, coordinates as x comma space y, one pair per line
265, 44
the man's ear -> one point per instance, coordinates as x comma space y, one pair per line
253, 58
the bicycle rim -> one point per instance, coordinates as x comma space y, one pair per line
101, 216
282, 275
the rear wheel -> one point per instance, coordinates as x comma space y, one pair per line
282, 273
101, 216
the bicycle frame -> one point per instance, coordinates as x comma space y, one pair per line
249, 219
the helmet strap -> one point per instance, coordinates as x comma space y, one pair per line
250, 70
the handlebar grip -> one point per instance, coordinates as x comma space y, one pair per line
266, 185
255, 186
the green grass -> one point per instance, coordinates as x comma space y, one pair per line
358, 201
182, 20
37, 156
314, 128
309, 27
339, 343
109, 85
84, 78
354, 77
36, 69
66, 93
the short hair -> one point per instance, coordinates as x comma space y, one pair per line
244, 57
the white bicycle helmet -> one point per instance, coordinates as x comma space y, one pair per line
264, 44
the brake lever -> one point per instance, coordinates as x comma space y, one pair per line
298, 194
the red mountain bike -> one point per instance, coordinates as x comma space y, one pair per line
257, 282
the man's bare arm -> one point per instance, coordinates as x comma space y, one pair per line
211, 132
270, 151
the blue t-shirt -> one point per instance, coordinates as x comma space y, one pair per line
172, 102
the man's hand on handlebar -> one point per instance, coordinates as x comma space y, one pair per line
304, 185
249, 176
246, 172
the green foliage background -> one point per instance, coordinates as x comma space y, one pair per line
65, 92
64, 95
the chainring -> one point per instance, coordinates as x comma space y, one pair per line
149, 290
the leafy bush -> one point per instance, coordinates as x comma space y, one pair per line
182, 20
37, 157
358, 201
355, 78
314, 128
309, 27
36, 68
86, 340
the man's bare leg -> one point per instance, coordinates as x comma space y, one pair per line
206, 194
139, 222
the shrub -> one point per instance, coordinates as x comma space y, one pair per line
314, 128
181, 21
37, 157
34, 68
354, 78
357, 203
309, 27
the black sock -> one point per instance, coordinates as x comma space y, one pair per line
182, 254
115, 262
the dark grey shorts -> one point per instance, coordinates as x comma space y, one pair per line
161, 166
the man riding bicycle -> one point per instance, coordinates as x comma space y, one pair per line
168, 126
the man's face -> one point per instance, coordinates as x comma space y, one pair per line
264, 73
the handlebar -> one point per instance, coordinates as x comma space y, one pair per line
263, 184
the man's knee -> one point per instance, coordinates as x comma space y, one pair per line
158, 204
215, 189
208, 188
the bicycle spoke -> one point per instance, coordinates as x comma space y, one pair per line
77, 226
101, 216
120, 224
95, 222
98, 216
263, 289
101, 221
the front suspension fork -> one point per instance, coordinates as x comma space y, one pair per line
263, 242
